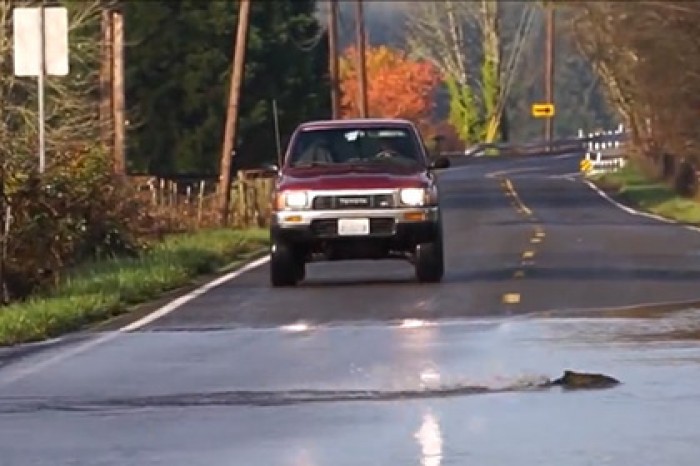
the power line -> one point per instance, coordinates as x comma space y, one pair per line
523, 32
522, 35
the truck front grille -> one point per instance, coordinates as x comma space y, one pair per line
340, 202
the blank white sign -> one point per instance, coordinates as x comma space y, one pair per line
27, 41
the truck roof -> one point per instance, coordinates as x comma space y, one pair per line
355, 122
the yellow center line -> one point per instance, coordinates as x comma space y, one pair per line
535, 240
514, 194
511, 298
528, 254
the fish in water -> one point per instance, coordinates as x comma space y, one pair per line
581, 380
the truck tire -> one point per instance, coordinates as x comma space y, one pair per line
430, 262
284, 269
301, 270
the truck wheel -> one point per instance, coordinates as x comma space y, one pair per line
301, 270
430, 263
284, 269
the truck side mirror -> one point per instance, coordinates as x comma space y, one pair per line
439, 163
270, 167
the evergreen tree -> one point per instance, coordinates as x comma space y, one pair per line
178, 70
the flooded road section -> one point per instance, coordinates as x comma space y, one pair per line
364, 395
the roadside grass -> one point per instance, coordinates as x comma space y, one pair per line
97, 291
638, 190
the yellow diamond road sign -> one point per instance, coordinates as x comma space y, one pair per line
543, 110
586, 165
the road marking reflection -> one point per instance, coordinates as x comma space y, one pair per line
413, 323
429, 437
297, 327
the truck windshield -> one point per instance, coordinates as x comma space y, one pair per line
355, 146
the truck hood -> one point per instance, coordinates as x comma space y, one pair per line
370, 176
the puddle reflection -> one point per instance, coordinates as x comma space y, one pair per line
429, 437
671, 327
298, 327
304, 458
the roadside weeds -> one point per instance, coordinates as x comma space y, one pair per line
101, 290
630, 186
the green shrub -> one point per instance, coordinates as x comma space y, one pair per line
98, 290
73, 212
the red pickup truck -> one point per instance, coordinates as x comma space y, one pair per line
356, 189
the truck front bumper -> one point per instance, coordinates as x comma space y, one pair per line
401, 224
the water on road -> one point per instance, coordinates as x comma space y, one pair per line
307, 395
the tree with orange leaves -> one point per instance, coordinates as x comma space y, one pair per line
397, 86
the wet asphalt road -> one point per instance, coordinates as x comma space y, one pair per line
351, 368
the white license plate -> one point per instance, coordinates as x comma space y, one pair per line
353, 226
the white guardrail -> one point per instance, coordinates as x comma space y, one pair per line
604, 151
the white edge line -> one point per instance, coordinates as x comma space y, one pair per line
147, 319
182, 300
638, 213
565, 176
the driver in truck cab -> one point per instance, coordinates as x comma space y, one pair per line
319, 152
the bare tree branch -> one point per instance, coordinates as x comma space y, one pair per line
646, 54
438, 32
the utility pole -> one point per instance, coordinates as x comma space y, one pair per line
361, 57
112, 93
106, 62
118, 115
333, 57
549, 72
41, 81
231, 130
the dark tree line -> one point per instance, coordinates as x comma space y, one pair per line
178, 65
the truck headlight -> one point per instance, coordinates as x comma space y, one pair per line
413, 197
291, 200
